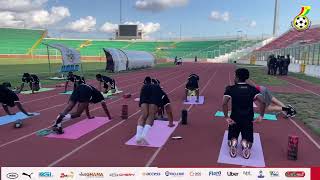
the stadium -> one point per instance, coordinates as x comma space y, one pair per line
199, 133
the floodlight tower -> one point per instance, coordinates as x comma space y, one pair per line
276, 18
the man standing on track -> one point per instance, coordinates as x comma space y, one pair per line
77, 80
241, 118
83, 95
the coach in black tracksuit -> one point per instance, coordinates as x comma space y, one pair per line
242, 96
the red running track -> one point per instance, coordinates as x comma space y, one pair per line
105, 146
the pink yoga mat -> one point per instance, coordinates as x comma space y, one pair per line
157, 135
256, 159
81, 128
192, 100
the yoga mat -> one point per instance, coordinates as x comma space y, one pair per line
137, 99
157, 135
110, 93
270, 117
67, 93
12, 118
256, 159
40, 90
81, 128
192, 100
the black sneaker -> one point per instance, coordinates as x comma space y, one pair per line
57, 130
292, 111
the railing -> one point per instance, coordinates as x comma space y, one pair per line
308, 54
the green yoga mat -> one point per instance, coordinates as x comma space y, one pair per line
270, 117
67, 93
40, 90
110, 93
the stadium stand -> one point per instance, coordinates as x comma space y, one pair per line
293, 37
18, 41
26, 41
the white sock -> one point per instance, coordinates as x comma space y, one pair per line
145, 130
67, 117
139, 132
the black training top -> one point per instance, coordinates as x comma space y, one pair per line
106, 79
7, 96
31, 78
76, 78
193, 78
242, 96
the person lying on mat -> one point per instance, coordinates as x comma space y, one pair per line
242, 114
165, 103
149, 101
108, 83
9, 98
83, 95
32, 80
192, 85
273, 104
77, 80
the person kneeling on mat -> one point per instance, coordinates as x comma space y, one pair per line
77, 80
83, 95
192, 85
149, 106
108, 83
9, 98
33, 80
165, 103
273, 104
242, 114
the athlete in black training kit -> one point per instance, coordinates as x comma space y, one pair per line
192, 85
108, 83
150, 100
242, 114
165, 103
83, 95
77, 80
33, 80
9, 98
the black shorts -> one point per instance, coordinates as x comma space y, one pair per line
245, 128
11, 99
164, 101
192, 86
81, 94
145, 95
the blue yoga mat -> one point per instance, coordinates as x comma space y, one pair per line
270, 117
12, 118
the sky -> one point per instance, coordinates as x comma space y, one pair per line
158, 19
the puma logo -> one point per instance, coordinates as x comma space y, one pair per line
25, 174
